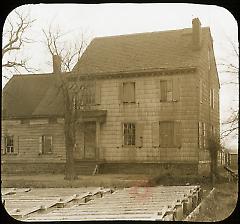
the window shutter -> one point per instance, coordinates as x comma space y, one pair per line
177, 134
98, 93
41, 144
201, 91
139, 135
122, 133
155, 134
169, 91
132, 90
120, 92
163, 91
213, 101
176, 89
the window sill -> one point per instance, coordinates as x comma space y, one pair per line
172, 101
9, 154
129, 146
44, 154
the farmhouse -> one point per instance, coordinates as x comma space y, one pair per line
152, 103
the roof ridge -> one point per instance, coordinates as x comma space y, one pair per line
145, 33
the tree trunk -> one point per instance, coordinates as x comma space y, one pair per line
69, 130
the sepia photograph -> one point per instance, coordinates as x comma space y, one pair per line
120, 111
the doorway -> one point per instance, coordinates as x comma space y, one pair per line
90, 140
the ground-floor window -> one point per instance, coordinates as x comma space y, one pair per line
45, 144
129, 133
202, 138
167, 134
9, 145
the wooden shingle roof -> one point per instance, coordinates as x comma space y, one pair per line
30, 96
141, 51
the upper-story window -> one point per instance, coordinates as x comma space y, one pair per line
87, 93
166, 89
169, 90
128, 92
212, 98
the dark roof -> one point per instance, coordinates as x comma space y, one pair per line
31, 95
141, 51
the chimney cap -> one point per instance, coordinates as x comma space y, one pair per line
196, 20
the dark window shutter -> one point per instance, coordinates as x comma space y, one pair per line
98, 93
177, 134
155, 134
139, 135
120, 92
132, 92
163, 90
128, 92
176, 89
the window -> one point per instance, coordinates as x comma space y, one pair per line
166, 90
201, 135
166, 131
170, 90
212, 98
129, 134
85, 95
9, 145
166, 134
45, 146
129, 92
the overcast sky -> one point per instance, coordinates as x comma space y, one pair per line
115, 19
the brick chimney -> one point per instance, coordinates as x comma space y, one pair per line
57, 64
196, 34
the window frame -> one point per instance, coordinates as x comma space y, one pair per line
43, 141
6, 152
172, 137
132, 142
123, 92
168, 88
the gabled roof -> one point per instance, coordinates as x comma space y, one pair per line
31, 95
141, 51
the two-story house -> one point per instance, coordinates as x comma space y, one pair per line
153, 101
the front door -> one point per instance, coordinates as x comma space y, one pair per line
90, 140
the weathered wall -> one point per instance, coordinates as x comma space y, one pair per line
26, 141
146, 110
209, 77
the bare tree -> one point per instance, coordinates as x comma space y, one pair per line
14, 40
69, 54
230, 66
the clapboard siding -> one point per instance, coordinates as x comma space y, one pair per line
27, 136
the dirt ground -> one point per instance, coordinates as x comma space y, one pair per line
50, 180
